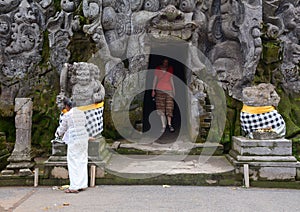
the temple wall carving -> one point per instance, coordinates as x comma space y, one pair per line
231, 34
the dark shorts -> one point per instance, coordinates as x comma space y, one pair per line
164, 103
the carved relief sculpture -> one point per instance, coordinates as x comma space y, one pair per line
80, 82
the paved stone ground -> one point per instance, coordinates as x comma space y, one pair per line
169, 164
149, 198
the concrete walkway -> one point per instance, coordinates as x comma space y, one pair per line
149, 198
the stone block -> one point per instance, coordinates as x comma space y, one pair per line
20, 165
246, 147
277, 173
59, 149
93, 148
267, 159
7, 172
60, 173
100, 173
25, 172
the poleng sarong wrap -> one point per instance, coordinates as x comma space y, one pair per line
254, 118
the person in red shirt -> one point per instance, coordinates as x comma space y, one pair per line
164, 92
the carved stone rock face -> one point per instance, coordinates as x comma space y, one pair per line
8, 5
4, 25
67, 5
136, 5
187, 5
26, 38
171, 22
151, 5
109, 18
261, 95
117, 46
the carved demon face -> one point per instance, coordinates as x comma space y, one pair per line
174, 22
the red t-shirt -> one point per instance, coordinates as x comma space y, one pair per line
164, 78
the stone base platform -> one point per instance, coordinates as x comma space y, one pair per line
267, 159
98, 155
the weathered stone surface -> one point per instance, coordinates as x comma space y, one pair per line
282, 18
273, 173
247, 147
100, 172
19, 165
267, 159
263, 94
20, 157
227, 32
81, 82
23, 124
59, 149
7, 172
60, 173
25, 172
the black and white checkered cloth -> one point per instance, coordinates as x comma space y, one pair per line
94, 118
94, 121
252, 122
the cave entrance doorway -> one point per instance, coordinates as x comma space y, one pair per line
180, 112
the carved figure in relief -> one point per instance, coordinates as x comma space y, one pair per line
283, 20
60, 29
81, 83
289, 15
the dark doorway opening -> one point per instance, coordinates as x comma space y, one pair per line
179, 120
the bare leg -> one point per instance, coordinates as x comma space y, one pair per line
170, 124
169, 120
163, 121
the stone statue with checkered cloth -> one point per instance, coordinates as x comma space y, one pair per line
81, 83
258, 116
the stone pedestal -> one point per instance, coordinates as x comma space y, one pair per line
98, 154
20, 159
267, 159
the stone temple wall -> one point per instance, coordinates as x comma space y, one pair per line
246, 42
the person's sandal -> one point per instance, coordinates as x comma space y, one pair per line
171, 128
163, 129
71, 191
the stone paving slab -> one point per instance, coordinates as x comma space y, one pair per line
11, 198
169, 164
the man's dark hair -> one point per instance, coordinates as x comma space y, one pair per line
68, 102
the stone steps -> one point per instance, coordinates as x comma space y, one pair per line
176, 148
171, 170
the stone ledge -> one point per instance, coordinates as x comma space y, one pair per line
268, 158
268, 170
177, 148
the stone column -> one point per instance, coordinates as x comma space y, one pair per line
20, 159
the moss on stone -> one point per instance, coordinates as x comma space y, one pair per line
81, 47
287, 108
7, 125
232, 127
271, 51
